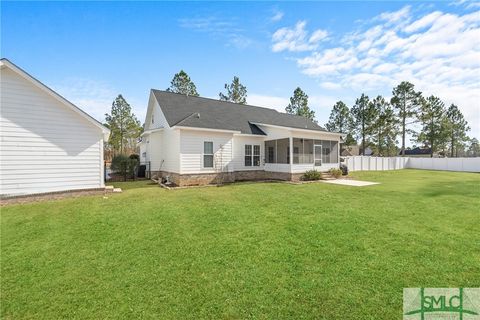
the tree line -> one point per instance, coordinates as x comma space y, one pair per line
376, 122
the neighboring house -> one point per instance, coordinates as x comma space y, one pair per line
418, 152
356, 151
46, 143
350, 151
195, 140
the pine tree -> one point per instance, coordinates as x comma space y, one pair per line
341, 121
236, 92
432, 118
474, 148
364, 115
299, 105
406, 101
181, 83
124, 126
457, 129
385, 129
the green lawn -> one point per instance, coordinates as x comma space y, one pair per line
259, 250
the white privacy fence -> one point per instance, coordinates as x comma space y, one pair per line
365, 163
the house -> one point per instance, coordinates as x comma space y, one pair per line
350, 151
194, 140
418, 152
47, 144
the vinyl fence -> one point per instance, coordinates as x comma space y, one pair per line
365, 163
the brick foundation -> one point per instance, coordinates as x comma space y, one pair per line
182, 180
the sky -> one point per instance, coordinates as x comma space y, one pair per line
90, 52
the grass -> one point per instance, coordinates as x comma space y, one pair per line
259, 250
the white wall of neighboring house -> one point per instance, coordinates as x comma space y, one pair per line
45, 146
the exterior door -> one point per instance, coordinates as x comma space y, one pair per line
317, 155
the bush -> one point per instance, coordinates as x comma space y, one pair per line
119, 164
335, 172
124, 166
311, 175
135, 156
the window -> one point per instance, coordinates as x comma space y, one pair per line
252, 155
256, 156
208, 154
248, 155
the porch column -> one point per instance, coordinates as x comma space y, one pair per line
291, 150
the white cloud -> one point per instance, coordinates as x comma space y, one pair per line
318, 35
296, 39
218, 28
96, 97
439, 52
330, 85
396, 16
424, 22
93, 97
273, 102
277, 16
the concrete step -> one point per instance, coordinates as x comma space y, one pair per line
109, 188
117, 190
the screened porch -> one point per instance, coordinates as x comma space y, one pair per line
292, 153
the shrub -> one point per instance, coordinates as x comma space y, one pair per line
119, 164
311, 175
335, 172
124, 166
135, 156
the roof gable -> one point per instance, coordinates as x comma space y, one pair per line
5, 63
189, 111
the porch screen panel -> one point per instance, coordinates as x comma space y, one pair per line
282, 150
302, 151
334, 152
329, 151
270, 151
297, 150
307, 151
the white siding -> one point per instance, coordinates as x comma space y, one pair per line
191, 151
171, 150
155, 113
44, 146
238, 161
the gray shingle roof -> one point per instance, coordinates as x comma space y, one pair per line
189, 111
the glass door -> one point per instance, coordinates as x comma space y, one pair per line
317, 155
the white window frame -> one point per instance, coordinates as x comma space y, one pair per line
252, 155
207, 154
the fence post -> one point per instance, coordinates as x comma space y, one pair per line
149, 170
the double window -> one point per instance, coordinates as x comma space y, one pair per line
208, 154
252, 155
